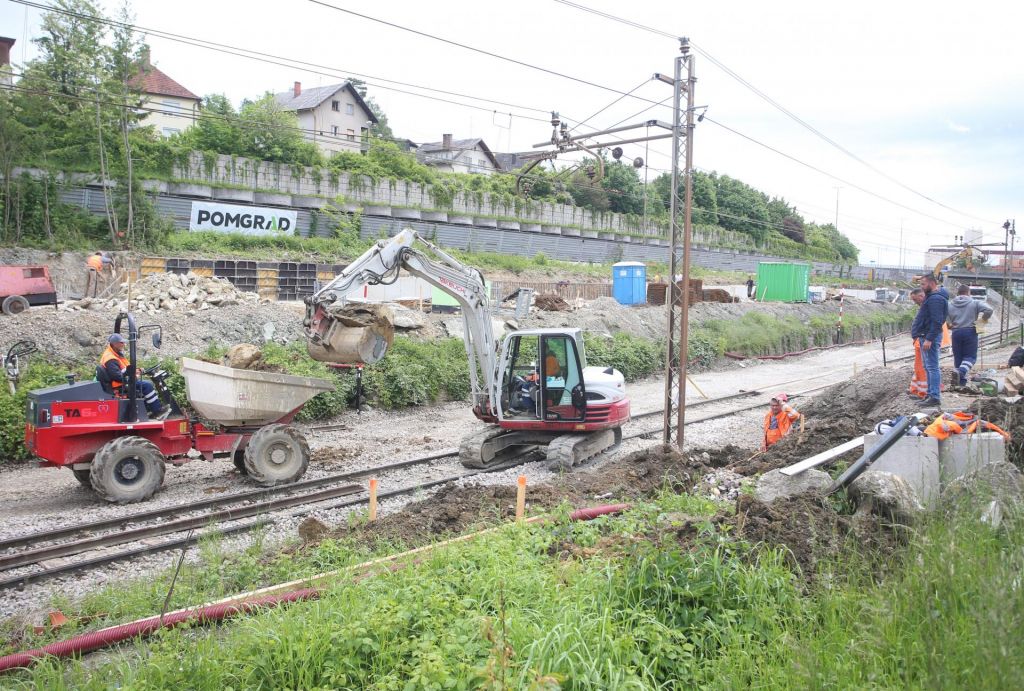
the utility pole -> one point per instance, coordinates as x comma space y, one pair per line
902, 266
837, 207
679, 255
1010, 228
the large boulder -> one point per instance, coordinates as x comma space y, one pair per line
408, 319
887, 496
774, 485
242, 356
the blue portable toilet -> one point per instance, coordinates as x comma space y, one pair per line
629, 283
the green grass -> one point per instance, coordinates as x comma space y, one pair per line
759, 333
629, 609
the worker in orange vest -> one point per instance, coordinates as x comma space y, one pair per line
93, 267
116, 365
778, 420
919, 383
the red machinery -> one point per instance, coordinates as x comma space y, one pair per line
22, 286
107, 439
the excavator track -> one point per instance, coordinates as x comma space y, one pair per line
569, 450
493, 447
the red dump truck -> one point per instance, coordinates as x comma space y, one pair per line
22, 286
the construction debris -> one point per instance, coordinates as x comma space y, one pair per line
170, 292
550, 302
717, 295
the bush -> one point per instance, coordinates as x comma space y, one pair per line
415, 373
38, 374
635, 357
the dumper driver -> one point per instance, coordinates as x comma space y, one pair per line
116, 365
779, 419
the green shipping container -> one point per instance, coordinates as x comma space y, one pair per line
782, 281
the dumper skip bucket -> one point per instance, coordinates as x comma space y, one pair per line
236, 397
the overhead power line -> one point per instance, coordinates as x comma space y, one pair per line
294, 63
481, 51
778, 106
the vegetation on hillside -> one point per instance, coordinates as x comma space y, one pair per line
77, 107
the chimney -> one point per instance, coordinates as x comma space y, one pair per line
5, 50
446, 141
297, 89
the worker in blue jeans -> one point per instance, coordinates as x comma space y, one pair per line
935, 309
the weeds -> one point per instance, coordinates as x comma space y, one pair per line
502, 612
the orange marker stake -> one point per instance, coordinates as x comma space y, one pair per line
520, 498
373, 500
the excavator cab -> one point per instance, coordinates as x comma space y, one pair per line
543, 377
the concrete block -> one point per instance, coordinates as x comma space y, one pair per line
273, 198
964, 453
915, 459
232, 194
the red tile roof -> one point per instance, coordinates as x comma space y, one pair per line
153, 81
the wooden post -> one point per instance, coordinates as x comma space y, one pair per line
520, 497
373, 500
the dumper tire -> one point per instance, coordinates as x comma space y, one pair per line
127, 470
14, 304
82, 476
276, 455
239, 460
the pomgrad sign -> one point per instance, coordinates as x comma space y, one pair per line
247, 220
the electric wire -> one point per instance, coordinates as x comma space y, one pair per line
281, 61
775, 104
474, 49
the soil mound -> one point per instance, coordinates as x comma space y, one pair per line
812, 532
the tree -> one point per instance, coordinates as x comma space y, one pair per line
625, 192
705, 197
270, 133
741, 208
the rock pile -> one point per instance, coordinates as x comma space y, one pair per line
170, 292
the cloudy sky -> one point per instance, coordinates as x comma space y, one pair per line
929, 96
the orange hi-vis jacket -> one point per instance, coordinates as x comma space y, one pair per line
95, 261
778, 426
111, 354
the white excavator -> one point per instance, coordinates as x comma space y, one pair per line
536, 391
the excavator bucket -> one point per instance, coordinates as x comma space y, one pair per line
351, 333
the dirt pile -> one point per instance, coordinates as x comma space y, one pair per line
717, 295
1008, 416
457, 509
811, 531
170, 292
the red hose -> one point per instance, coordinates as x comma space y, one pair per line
595, 511
88, 642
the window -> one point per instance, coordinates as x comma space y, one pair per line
350, 135
349, 109
168, 131
334, 130
335, 106
172, 108
481, 162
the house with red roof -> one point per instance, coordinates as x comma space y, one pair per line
169, 107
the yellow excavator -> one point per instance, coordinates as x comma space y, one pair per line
968, 253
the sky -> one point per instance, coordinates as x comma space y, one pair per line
929, 96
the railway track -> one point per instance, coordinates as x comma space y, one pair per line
265, 506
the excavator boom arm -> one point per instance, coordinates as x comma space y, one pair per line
328, 332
